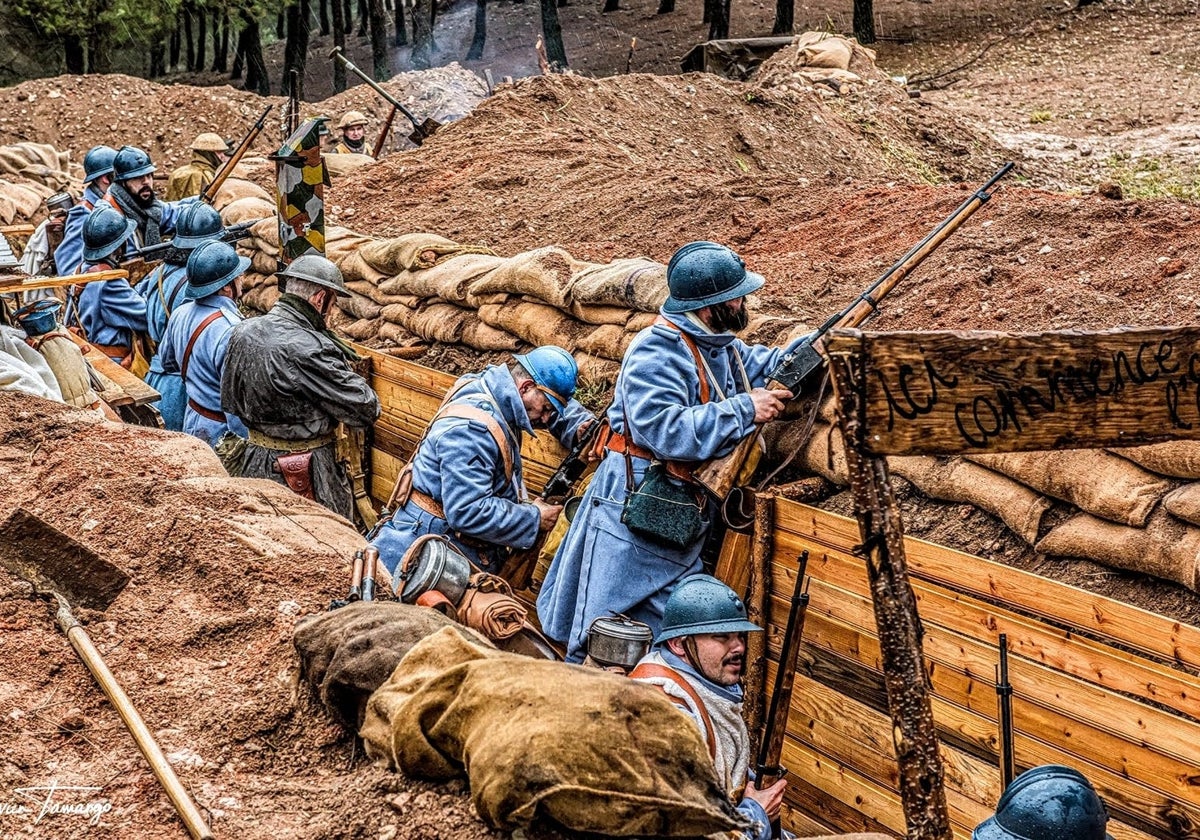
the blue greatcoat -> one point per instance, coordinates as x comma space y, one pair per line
163, 290
601, 567
109, 311
68, 256
205, 366
459, 465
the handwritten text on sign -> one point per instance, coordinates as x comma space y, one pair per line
950, 392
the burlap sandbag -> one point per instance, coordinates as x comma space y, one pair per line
638, 321
534, 323
401, 336
825, 454
359, 306
340, 242
368, 289
600, 314
1167, 547
820, 49
1178, 458
637, 283
247, 208
364, 329
439, 322
343, 164
544, 273
589, 750
8, 210
24, 198
355, 268
347, 653
263, 263
415, 251
488, 606
480, 336
253, 279
1183, 503
608, 342
237, 189
596, 371
1091, 479
956, 480
450, 279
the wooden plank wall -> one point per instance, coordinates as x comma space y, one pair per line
410, 395
1098, 685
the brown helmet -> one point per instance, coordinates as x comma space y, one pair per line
209, 142
351, 119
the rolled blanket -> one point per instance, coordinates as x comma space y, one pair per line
489, 607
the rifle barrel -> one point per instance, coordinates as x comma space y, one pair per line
771, 746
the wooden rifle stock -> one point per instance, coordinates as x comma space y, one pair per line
210, 192
383, 134
719, 475
768, 770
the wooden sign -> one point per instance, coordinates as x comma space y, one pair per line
930, 393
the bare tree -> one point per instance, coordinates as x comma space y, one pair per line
323, 16
250, 46
379, 43
295, 50
785, 17
400, 24
864, 21
422, 49
339, 40
480, 36
552, 30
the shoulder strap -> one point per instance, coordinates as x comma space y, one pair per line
654, 670
470, 412
187, 353
109, 198
691, 345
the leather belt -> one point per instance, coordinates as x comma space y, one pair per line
215, 416
618, 443
434, 508
268, 442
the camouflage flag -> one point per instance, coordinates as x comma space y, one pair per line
300, 180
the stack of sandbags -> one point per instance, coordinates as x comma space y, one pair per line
41, 163
832, 62
22, 201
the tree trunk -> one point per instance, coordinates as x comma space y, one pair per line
864, 21
709, 5
480, 36
665, 7
339, 40
220, 41
400, 24
323, 16
239, 55
251, 47
295, 51
176, 43
785, 17
422, 35
99, 59
718, 27
348, 16
188, 41
610, 6
73, 54
364, 18
281, 26
552, 30
158, 58
201, 40
379, 40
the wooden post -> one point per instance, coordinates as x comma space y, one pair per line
757, 594
899, 626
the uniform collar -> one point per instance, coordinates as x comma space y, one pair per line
696, 332
503, 389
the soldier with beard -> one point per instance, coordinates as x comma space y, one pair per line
697, 660
688, 391
132, 195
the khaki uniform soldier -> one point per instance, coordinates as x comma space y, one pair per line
353, 126
209, 151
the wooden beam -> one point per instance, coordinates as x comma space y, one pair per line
944, 393
1061, 603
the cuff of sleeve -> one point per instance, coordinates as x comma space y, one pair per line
760, 828
745, 413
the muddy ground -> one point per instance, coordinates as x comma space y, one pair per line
819, 193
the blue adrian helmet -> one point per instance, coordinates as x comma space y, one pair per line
554, 371
97, 162
211, 267
131, 162
701, 604
702, 274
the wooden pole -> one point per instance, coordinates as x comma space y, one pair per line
921, 775
757, 596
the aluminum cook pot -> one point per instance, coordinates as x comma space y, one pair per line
39, 317
617, 640
432, 562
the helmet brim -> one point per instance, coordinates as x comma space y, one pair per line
197, 292
94, 254
99, 174
712, 627
187, 243
750, 284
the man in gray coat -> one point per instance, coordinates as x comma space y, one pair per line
288, 378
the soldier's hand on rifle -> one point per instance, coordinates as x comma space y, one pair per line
768, 403
548, 512
770, 798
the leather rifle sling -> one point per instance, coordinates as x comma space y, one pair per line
654, 670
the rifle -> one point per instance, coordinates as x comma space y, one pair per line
145, 259
421, 130
383, 134
210, 192
719, 475
1004, 690
572, 467
768, 770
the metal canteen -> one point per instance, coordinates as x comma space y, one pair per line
617, 640
436, 565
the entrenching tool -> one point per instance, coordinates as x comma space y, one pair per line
422, 129
67, 572
356, 579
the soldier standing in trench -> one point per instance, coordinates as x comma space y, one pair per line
287, 376
353, 126
97, 175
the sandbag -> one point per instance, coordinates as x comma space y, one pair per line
263, 263
545, 273
401, 336
480, 336
637, 283
599, 314
364, 329
596, 371
534, 323
589, 750
820, 49
1184, 503
438, 322
1167, 547
639, 321
347, 653
415, 251
1178, 458
608, 342
356, 269
956, 480
237, 189
246, 208
359, 306
341, 242
450, 279
343, 164
825, 454
1091, 479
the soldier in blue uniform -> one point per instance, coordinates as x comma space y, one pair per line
132, 195
197, 338
466, 475
688, 391
97, 175
163, 289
